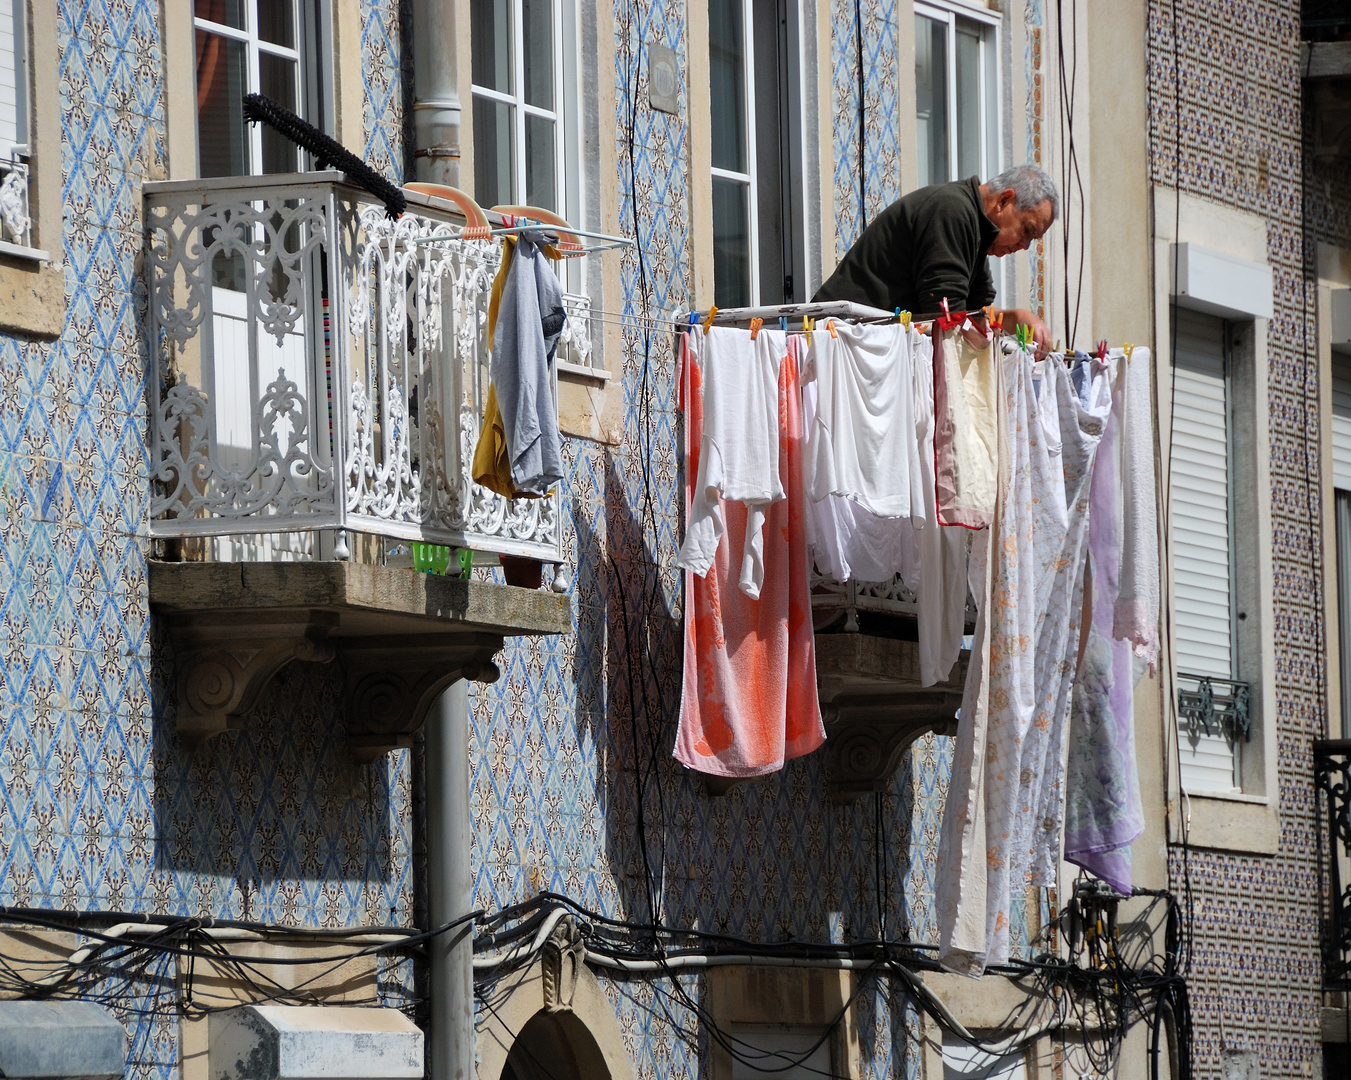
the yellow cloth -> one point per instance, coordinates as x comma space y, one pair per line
492, 462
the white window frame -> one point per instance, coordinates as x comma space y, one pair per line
748, 178
991, 107
14, 154
254, 47
564, 31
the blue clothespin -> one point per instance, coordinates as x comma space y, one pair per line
694, 318
783, 323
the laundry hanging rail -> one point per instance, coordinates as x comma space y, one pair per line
832, 309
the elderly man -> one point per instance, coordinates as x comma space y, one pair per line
932, 245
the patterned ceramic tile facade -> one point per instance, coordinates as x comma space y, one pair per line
1225, 124
102, 808
877, 20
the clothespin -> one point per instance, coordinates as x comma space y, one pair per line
1024, 332
1128, 348
694, 318
807, 325
783, 323
708, 319
946, 313
755, 327
830, 325
1102, 349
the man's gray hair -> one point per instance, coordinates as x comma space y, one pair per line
1030, 187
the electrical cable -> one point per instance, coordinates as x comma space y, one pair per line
862, 117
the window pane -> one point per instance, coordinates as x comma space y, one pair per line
225, 12
277, 22
968, 101
1344, 602
540, 187
490, 27
931, 99
727, 61
731, 243
222, 149
537, 18
277, 79
494, 153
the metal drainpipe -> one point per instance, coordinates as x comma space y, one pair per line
436, 92
436, 122
450, 886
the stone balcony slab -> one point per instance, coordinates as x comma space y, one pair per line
400, 636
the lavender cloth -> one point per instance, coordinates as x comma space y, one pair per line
1103, 814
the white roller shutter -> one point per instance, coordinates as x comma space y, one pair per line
1341, 422
1201, 527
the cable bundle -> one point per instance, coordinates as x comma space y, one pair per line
327, 152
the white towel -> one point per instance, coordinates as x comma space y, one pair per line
1137, 606
739, 451
862, 442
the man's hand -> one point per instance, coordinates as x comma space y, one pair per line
1012, 318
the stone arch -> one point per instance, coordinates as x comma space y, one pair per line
571, 1027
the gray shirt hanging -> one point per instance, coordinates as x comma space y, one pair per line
530, 318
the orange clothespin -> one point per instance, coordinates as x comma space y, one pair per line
755, 327
708, 319
994, 324
830, 325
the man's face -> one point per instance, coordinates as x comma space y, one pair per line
1017, 228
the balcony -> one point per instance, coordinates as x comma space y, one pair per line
867, 666
319, 373
1332, 788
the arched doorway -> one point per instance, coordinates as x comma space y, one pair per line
555, 1046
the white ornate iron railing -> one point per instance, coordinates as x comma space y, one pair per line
321, 366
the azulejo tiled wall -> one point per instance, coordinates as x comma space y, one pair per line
875, 22
101, 807
1225, 125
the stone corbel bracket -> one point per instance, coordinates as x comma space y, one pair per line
874, 707
400, 638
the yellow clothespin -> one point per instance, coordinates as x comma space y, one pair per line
830, 325
755, 327
708, 319
807, 326
1128, 348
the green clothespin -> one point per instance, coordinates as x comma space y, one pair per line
465, 558
1024, 335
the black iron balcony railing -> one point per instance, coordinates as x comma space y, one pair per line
1332, 785
1211, 706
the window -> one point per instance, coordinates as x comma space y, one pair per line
1203, 549
15, 224
1341, 482
757, 182
518, 103
962, 1061
783, 1051
956, 95
252, 46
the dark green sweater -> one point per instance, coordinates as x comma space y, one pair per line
925, 246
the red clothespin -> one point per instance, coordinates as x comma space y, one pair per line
830, 325
949, 319
755, 327
1102, 349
